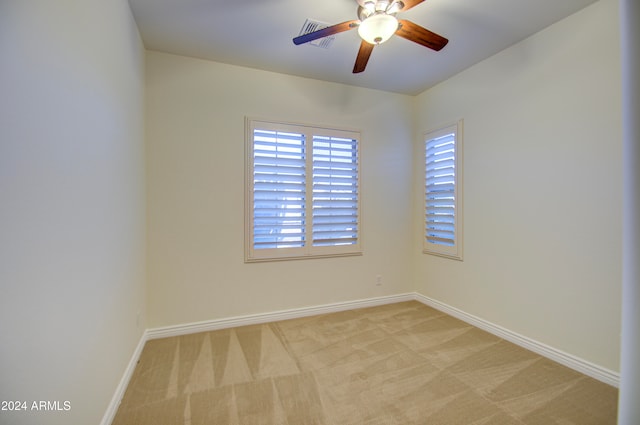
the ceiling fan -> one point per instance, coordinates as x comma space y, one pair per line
376, 24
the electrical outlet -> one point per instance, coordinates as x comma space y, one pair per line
379, 280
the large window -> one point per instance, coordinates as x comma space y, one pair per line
302, 191
443, 192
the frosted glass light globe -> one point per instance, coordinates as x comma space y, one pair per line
378, 28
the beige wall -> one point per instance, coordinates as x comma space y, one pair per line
72, 211
195, 152
542, 187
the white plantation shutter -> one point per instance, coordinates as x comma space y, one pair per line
302, 191
335, 191
442, 192
279, 189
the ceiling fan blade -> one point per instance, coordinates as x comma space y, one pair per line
325, 32
408, 4
420, 35
363, 57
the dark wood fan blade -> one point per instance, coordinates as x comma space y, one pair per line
363, 57
325, 32
408, 4
420, 35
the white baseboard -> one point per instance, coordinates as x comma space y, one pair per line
583, 366
602, 374
576, 363
254, 319
112, 409
231, 322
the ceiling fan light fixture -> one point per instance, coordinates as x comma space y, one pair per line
395, 7
378, 28
370, 6
381, 5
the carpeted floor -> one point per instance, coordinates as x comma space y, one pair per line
399, 364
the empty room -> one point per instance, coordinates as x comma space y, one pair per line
336, 212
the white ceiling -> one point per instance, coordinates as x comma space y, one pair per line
258, 34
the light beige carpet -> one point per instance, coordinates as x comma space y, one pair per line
402, 363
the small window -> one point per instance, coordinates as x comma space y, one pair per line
303, 196
443, 192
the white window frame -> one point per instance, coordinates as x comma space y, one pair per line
253, 254
433, 245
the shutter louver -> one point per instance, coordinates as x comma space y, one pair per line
279, 192
335, 191
441, 190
